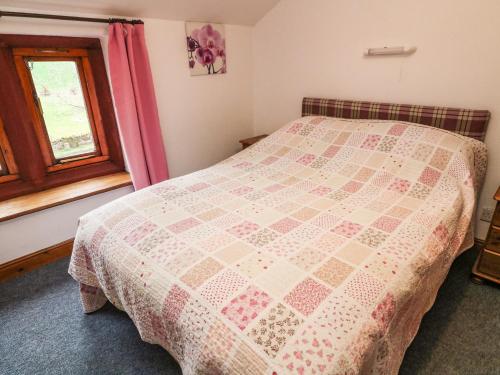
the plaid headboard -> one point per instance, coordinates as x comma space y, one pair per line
468, 122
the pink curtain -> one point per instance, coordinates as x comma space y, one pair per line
135, 102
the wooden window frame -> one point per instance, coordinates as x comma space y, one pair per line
7, 161
35, 168
80, 58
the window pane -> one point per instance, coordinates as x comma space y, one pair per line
58, 87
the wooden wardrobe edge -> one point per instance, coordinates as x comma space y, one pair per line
35, 260
478, 242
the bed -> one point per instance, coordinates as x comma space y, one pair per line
316, 250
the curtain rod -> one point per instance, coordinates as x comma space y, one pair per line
67, 18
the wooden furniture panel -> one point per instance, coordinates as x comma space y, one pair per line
247, 142
487, 266
490, 262
493, 242
496, 217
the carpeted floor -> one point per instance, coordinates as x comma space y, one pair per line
43, 330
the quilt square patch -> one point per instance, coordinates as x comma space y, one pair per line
399, 185
306, 296
198, 274
277, 280
274, 188
198, 207
387, 144
349, 169
333, 272
242, 190
371, 141
372, 237
400, 212
198, 187
183, 225
329, 242
118, 216
216, 241
139, 233
306, 130
419, 191
352, 186
384, 268
246, 307
422, 152
174, 302
269, 160
223, 286
354, 253
307, 258
306, 159
294, 128
305, 233
321, 190
397, 129
325, 221
339, 195
347, 229
342, 138
364, 288
284, 246
381, 179
319, 162
211, 214
274, 329
305, 213
331, 151
255, 264
262, 237
440, 158
243, 229
282, 151
184, 259
386, 223
233, 252
285, 225
152, 241
364, 174
429, 176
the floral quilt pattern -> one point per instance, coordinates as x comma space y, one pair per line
315, 251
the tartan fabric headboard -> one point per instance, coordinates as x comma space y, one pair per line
468, 122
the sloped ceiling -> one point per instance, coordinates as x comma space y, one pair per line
239, 12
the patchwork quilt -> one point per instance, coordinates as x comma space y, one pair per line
315, 251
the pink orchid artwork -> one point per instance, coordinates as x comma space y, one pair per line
206, 47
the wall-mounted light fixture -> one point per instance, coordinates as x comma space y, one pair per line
400, 50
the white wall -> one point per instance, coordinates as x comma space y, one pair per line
202, 118
33, 232
314, 48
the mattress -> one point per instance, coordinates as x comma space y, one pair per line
315, 251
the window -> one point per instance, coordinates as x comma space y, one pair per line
58, 118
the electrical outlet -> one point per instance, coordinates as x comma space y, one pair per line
487, 214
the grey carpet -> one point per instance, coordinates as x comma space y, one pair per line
43, 330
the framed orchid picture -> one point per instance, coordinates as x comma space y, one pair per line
206, 47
